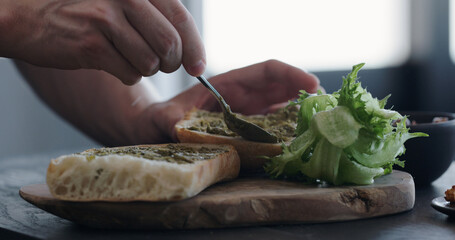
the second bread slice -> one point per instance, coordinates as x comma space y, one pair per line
200, 126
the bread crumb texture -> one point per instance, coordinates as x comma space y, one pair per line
151, 173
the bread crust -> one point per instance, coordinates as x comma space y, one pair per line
130, 178
250, 152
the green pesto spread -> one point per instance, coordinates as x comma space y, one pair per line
169, 153
282, 124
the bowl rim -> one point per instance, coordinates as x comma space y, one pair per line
430, 113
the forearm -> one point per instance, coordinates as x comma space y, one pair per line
97, 103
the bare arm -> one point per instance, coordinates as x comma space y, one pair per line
96, 103
115, 114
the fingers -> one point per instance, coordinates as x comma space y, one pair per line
297, 77
194, 59
290, 80
134, 48
155, 35
275, 107
158, 31
274, 71
99, 53
263, 85
277, 81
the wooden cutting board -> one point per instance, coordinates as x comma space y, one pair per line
243, 202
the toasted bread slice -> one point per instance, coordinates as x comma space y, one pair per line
162, 172
200, 126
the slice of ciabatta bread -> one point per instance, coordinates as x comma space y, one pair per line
200, 126
162, 172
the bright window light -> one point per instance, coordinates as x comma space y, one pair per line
452, 29
314, 35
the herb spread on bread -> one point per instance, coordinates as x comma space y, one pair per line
169, 153
282, 124
162, 172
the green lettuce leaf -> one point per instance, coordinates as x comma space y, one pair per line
344, 137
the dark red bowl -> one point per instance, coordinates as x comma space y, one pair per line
427, 158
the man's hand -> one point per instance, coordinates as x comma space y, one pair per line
126, 38
257, 89
115, 114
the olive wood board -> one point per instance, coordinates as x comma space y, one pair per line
247, 201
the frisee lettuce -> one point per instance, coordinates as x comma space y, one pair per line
344, 137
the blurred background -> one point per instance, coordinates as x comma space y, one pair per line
408, 47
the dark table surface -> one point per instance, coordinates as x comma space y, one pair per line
21, 220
